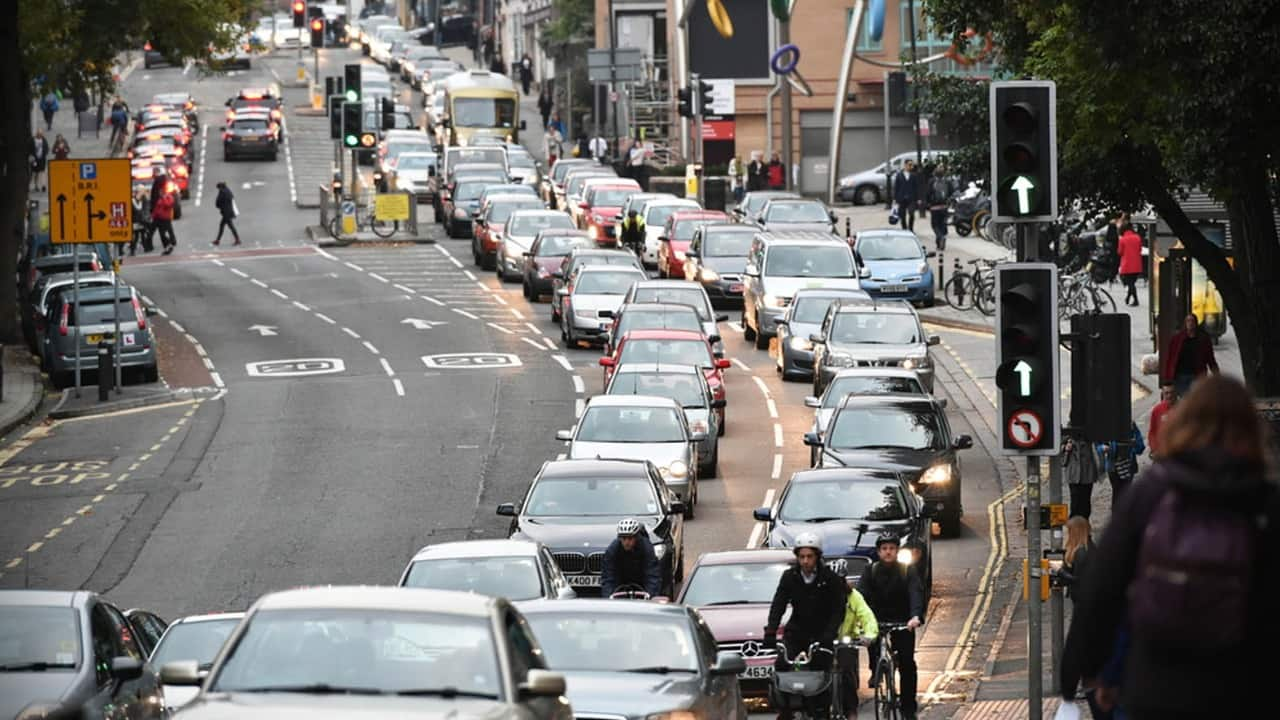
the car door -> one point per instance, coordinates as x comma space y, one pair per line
721, 699
133, 696
524, 655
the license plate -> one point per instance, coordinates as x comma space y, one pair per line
583, 580
893, 288
757, 672
93, 339
735, 288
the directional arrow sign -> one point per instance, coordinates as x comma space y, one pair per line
1023, 186
264, 330
1023, 371
92, 198
422, 324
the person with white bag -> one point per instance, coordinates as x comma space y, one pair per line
226, 204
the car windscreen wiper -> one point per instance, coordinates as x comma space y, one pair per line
39, 666
659, 670
823, 518
730, 602
445, 692
312, 689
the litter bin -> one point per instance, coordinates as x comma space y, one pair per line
715, 193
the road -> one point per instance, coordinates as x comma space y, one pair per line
330, 439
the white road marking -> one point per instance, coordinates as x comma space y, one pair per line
455, 261
378, 277
258, 282
519, 315
741, 365
470, 275
322, 252
533, 328
578, 406
734, 326
371, 348
399, 386
279, 294
208, 363
240, 272
533, 342
402, 288
190, 338
578, 386
204, 136
777, 467
564, 362
162, 313
482, 286
326, 318
757, 532
777, 435
351, 332
773, 408
561, 456
354, 266
496, 326
465, 314
551, 344
387, 366
176, 325
217, 379
501, 300
760, 384
219, 263
430, 299
300, 306
200, 350
288, 162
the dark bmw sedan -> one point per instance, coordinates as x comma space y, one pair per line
905, 434
849, 508
72, 654
573, 507
631, 660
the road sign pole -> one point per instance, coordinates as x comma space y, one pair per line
115, 294
75, 305
1035, 690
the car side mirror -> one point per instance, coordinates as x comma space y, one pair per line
812, 440
934, 340
607, 362
124, 669
864, 272
697, 436
527, 254
618, 217
604, 313
431, 172
812, 402
963, 442
227, 103
505, 510
564, 434
677, 507
723, 364
722, 318
718, 403
583, 206
542, 683
780, 321
763, 514
691, 253
729, 663
566, 593
179, 672
818, 338
942, 403
927, 511
524, 125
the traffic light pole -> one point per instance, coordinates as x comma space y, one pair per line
784, 38
1035, 670
1057, 621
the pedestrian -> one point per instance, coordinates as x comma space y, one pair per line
777, 173
558, 124
545, 104
582, 148
941, 188
756, 171
636, 159
141, 225
39, 156
895, 593
162, 218
49, 107
1075, 556
119, 120
1081, 467
497, 66
553, 141
1130, 251
1187, 565
598, 148
226, 204
61, 149
1168, 398
736, 178
906, 194
1190, 356
1120, 461
526, 72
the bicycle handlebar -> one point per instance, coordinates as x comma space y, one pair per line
804, 657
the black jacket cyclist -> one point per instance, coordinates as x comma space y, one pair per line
896, 595
631, 561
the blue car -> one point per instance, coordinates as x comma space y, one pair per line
849, 508
894, 265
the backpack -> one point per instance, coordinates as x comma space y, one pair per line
1193, 581
938, 191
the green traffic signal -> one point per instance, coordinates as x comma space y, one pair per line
351, 140
353, 96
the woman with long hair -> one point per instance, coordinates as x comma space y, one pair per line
1075, 558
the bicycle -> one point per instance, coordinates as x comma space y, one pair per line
630, 592
965, 288
801, 684
1078, 294
366, 218
883, 680
117, 141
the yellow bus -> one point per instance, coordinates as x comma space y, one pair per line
480, 103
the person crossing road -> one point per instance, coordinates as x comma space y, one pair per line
226, 204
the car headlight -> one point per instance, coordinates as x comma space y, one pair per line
459, 212
710, 275
936, 475
924, 268
594, 232
846, 181
916, 363
676, 715
801, 343
773, 301
680, 255
906, 556
699, 426
677, 469
660, 550
839, 360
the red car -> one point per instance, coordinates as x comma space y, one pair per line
486, 235
600, 208
676, 236
678, 347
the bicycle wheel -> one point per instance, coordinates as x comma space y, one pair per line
958, 291
985, 297
383, 228
886, 692
1102, 301
334, 226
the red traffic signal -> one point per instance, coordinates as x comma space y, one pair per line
299, 6
317, 25
317, 32
299, 14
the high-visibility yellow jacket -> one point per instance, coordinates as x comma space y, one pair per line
859, 621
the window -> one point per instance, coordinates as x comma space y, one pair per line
104, 647
126, 645
865, 43
525, 655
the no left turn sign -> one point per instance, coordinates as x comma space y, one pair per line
1025, 429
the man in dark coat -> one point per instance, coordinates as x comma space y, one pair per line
226, 204
906, 194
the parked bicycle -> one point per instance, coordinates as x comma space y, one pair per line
366, 219
973, 288
1079, 294
884, 679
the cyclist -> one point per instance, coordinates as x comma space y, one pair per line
817, 599
860, 625
631, 232
896, 595
630, 561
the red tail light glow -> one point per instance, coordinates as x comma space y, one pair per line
137, 313
147, 47
62, 323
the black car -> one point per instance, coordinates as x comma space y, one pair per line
75, 655
573, 507
147, 628
717, 258
252, 136
907, 434
849, 508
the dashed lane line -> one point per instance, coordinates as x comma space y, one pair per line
204, 137
387, 367
534, 343
741, 365
465, 314
369, 346
757, 532
351, 332
777, 435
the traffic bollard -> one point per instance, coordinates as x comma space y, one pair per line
106, 374
942, 268
848, 227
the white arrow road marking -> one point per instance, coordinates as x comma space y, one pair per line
1023, 187
264, 330
419, 324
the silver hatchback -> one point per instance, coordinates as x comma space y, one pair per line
92, 321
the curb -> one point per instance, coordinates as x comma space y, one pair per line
60, 413
321, 238
30, 410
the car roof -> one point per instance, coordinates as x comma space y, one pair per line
59, 258
575, 232
208, 617
655, 308
696, 214
584, 606
849, 295
798, 237
740, 557
728, 226
663, 334
45, 598
513, 197
594, 467
608, 268
888, 399
890, 307
896, 372
886, 231
371, 597
845, 474
477, 549
66, 278
648, 367
631, 401
544, 212
93, 294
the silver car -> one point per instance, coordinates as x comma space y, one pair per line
879, 334
414, 170
590, 298
514, 569
641, 427
868, 186
782, 214
781, 264
518, 234
682, 292
375, 652
92, 321
198, 638
685, 385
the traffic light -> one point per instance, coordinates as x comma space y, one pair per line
705, 97
317, 32
388, 107
351, 75
686, 102
335, 116
299, 14
368, 140
352, 124
1027, 358
1101, 408
1024, 150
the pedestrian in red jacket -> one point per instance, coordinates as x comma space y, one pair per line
1130, 249
1190, 355
1168, 398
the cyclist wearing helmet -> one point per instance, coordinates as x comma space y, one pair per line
817, 599
896, 595
630, 560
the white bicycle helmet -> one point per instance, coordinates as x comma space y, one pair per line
628, 527
807, 540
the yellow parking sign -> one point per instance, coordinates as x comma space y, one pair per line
391, 206
89, 201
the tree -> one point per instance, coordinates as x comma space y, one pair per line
1156, 97
71, 46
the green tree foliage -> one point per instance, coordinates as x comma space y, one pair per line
1154, 97
572, 21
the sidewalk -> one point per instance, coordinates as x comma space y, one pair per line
23, 388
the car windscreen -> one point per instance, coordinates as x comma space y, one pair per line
693, 296
38, 637
617, 496
403, 146
606, 283
559, 170
574, 187
500, 211
411, 161
199, 641
469, 190
684, 388
674, 352
532, 224
99, 313
726, 244
460, 156
891, 426
875, 328
844, 500
807, 212
811, 309
666, 319
683, 231
609, 424
484, 112
736, 584
555, 245
656, 215
623, 258
248, 124
889, 247
615, 642
822, 261
514, 578
369, 651
520, 160
842, 386
611, 197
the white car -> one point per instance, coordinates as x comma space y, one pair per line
198, 638
517, 570
656, 213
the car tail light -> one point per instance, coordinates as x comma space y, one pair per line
188, 105
179, 152
226, 135
62, 322
147, 46
137, 313
170, 187
180, 170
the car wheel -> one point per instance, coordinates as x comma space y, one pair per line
930, 301
448, 229
712, 468
813, 457
724, 419
226, 156
435, 208
689, 511
748, 333
275, 156
524, 289
151, 373
762, 341
489, 262
866, 195
950, 524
